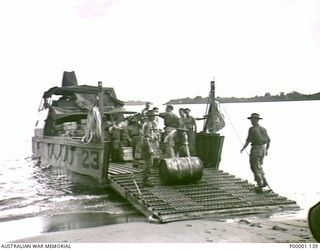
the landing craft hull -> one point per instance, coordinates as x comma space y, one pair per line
86, 159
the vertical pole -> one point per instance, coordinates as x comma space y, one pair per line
101, 109
105, 162
209, 121
212, 104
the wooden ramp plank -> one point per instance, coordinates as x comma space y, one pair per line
216, 194
122, 168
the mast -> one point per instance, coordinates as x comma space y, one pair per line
212, 104
211, 112
101, 109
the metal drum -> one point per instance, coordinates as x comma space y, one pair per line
314, 221
180, 170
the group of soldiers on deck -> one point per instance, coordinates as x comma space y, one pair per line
141, 132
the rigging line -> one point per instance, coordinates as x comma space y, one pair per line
233, 127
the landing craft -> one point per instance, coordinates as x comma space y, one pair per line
83, 130
75, 131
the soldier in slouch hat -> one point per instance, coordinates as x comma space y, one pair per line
260, 142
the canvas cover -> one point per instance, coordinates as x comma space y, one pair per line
78, 100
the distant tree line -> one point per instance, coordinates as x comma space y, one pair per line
267, 97
136, 102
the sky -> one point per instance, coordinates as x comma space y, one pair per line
156, 50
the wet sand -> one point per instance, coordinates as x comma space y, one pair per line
240, 230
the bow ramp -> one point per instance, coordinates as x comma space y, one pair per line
216, 194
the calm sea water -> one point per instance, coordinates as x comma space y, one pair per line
49, 200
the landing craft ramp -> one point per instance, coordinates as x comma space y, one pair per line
216, 194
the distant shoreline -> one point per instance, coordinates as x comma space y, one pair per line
238, 101
293, 96
135, 103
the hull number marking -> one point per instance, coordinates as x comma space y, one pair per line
90, 159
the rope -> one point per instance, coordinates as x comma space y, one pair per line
234, 129
93, 125
85, 138
65, 154
54, 153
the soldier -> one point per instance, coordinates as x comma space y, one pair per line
182, 116
176, 143
115, 134
134, 133
146, 109
149, 146
156, 112
258, 137
191, 127
171, 120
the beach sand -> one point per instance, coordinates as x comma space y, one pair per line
240, 230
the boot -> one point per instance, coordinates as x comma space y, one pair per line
135, 165
258, 190
264, 181
147, 184
259, 187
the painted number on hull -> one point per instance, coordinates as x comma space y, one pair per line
90, 159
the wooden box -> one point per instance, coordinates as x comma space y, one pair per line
70, 126
127, 153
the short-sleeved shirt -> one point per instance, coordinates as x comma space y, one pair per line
170, 119
257, 135
133, 129
189, 122
148, 129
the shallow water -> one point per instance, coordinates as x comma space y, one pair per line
50, 200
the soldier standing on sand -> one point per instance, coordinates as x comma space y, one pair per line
258, 137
